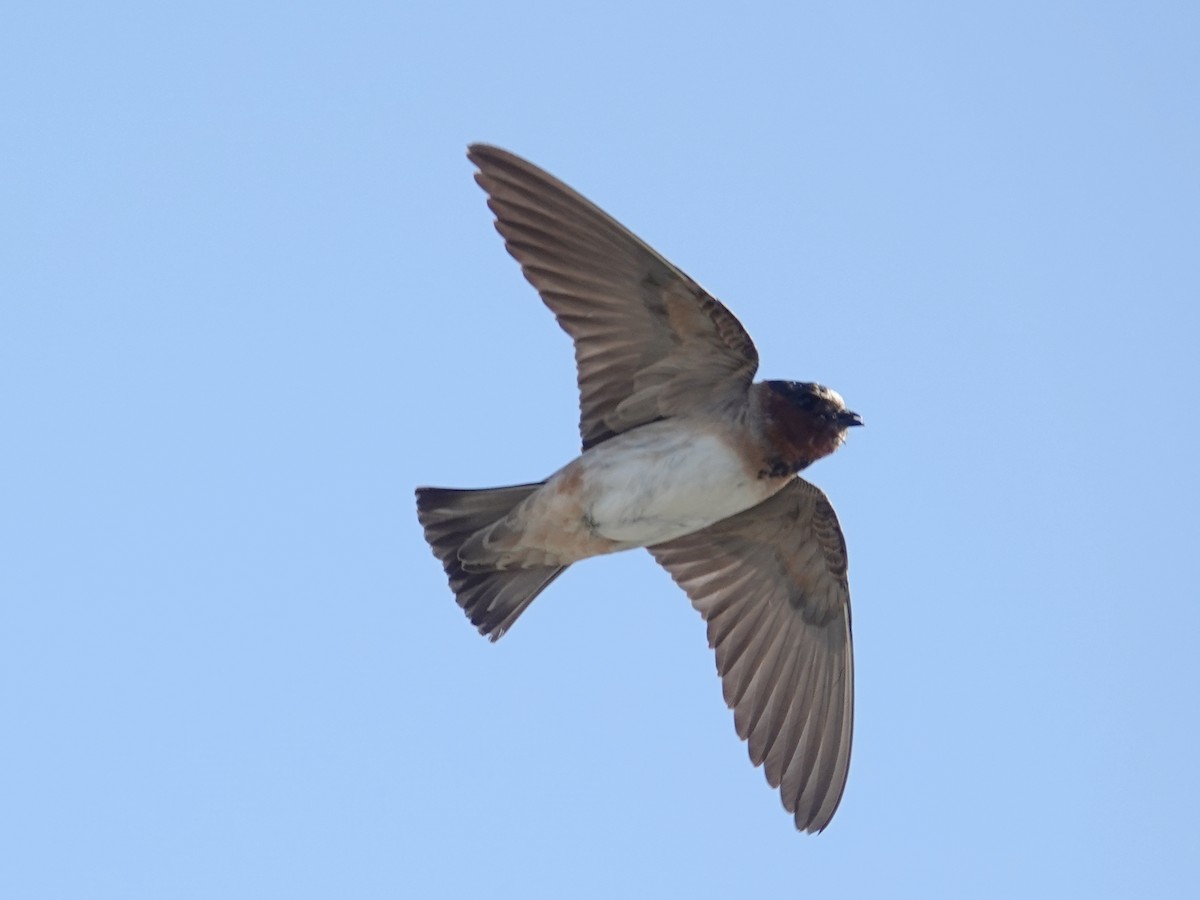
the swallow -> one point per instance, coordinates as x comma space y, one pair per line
683, 454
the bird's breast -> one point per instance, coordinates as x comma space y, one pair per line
665, 480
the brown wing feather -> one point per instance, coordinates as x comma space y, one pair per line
649, 341
771, 584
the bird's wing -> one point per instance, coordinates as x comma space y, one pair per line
649, 342
771, 584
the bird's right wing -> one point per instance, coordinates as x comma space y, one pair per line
649, 342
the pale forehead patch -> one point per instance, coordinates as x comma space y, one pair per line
833, 395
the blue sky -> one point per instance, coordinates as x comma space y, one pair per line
251, 297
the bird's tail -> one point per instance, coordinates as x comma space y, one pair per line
493, 598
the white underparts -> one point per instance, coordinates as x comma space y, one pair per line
664, 480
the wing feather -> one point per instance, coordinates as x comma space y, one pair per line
649, 342
771, 582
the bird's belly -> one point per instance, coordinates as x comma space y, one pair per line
660, 482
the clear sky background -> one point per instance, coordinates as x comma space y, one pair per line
250, 297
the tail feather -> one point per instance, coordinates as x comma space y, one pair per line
493, 599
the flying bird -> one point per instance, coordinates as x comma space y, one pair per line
683, 454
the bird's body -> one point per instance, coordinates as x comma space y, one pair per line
643, 487
666, 479
685, 455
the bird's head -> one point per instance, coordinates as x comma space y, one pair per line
809, 420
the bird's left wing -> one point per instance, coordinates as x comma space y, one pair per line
771, 584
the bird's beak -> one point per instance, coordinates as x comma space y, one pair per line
848, 419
